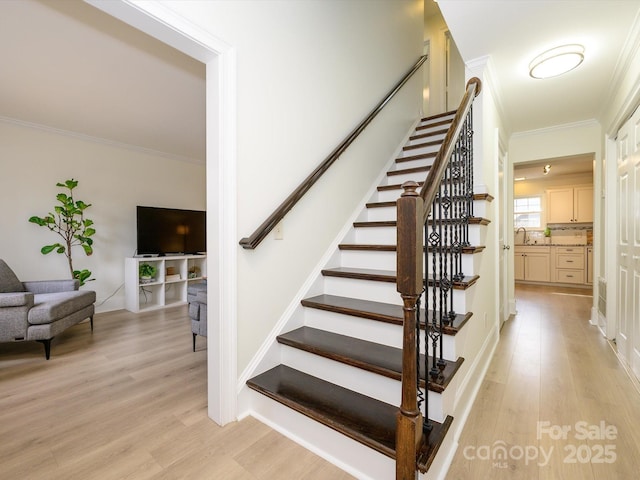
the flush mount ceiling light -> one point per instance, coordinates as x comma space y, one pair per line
556, 61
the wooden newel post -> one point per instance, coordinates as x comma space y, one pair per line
409, 284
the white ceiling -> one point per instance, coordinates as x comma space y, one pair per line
513, 32
571, 165
68, 66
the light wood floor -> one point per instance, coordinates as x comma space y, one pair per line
551, 366
129, 402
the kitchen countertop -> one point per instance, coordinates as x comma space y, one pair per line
552, 245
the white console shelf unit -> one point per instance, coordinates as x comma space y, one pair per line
168, 288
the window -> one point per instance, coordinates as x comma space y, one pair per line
527, 212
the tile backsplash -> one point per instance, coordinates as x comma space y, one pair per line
569, 237
564, 235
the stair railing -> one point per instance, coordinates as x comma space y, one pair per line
432, 226
278, 214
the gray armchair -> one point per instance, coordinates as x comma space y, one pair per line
197, 298
38, 311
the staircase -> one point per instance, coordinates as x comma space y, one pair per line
336, 383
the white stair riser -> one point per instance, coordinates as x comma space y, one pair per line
380, 291
356, 379
369, 330
406, 177
387, 261
388, 235
390, 213
358, 459
387, 195
448, 117
419, 162
420, 148
449, 346
431, 138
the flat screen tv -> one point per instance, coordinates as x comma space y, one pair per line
166, 231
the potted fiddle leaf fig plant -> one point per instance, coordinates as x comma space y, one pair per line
68, 221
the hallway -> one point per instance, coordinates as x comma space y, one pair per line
555, 403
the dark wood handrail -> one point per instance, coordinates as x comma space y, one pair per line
272, 220
430, 189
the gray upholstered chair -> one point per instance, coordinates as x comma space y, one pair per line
42, 309
197, 298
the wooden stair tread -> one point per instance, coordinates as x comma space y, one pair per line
378, 311
362, 418
404, 171
432, 143
393, 223
438, 115
361, 273
388, 276
434, 124
420, 156
429, 134
397, 186
373, 357
392, 248
393, 203
431, 444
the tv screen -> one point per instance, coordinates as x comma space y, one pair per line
163, 231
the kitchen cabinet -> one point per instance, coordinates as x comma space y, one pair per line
569, 264
532, 263
570, 204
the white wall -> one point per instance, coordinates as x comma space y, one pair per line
556, 141
434, 32
113, 179
307, 73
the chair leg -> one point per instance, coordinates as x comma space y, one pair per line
47, 347
91, 321
194, 342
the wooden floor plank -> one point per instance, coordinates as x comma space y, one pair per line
551, 365
128, 401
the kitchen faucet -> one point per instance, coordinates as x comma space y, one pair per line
524, 237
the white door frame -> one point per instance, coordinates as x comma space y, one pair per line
504, 234
167, 26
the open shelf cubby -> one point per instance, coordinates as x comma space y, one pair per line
168, 287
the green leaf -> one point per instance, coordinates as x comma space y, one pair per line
50, 248
83, 276
71, 184
87, 249
89, 231
62, 197
87, 222
40, 221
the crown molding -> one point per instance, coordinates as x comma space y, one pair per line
99, 140
553, 128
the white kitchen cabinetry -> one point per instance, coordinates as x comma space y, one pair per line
169, 287
532, 263
569, 264
570, 204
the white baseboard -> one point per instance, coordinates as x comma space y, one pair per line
465, 400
